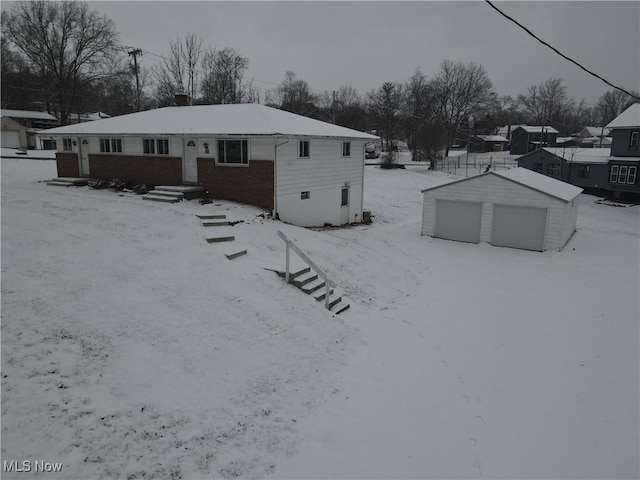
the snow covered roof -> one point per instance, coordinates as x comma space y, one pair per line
242, 119
604, 140
26, 114
542, 183
581, 155
629, 118
493, 138
565, 139
530, 179
537, 128
596, 131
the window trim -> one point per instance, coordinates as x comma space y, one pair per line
346, 152
112, 145
634, 140
244, 162
613, 175
155, 149
302, 150
634, 175
67, 144
342, 198
306, 195
622, 175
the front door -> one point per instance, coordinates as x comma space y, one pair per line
344, 206
83, 153
191, 161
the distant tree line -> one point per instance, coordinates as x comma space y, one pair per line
66, 59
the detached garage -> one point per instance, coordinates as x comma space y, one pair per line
516, 208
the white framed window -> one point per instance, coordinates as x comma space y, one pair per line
305, 195
633, 142
67, 145
345, 197
613, 176
346, 149
303, 149
155, 146
622, 176
111, 145
631, 177
233, 152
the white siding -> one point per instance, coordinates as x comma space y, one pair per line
175, 147
211, 143
262, 148
323, 175
132, 145
491, 189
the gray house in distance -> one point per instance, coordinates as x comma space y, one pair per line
586, 168
625, 153
526, 138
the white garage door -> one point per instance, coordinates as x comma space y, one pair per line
10, 139
458, 220
519, 227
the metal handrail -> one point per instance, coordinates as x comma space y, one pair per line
305, 257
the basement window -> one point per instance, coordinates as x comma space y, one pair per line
631, 178
633, 142
233, 152
111, 145
346, 149
304, 195
303, 149
67, 145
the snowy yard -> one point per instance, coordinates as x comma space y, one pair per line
132, 348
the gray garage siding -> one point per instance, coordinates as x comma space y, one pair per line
490, 189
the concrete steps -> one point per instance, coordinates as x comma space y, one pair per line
68, 182
308, 282
230, 238
175, 193
154, 197
231, 256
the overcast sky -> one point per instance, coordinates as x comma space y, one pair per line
363, 44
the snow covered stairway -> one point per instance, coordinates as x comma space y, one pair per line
312, 280
175, 193
220, 221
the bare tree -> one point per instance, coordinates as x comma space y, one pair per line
178, 71
343, 107
545, 104
611, 104
425, 135
67, 44
223, 71
294, 95
463, 89
385, 109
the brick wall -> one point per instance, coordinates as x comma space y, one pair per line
67, 164
149, 170
251, 184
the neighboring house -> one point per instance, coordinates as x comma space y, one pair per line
86, 117
513, 208
596, 142
585, 168
567, 141
526, 138
32, 121
589, 132
14, 134
625, 153
307, 172
488, 143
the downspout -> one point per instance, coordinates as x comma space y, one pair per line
275, 177
362, 187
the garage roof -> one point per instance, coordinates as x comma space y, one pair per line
530, 179
245, 119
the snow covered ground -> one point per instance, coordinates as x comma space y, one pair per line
131, 348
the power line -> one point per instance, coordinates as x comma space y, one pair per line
558, 52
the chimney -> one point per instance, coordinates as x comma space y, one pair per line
182, 99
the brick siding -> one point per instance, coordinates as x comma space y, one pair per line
67, 164
251, 184
146, 169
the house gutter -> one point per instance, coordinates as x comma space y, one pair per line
275, 176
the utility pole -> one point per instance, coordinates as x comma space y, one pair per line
134, 53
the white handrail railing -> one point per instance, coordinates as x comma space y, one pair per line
304, 256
